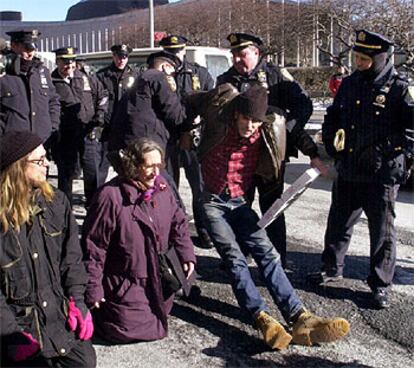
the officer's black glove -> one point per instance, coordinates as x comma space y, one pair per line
370, 159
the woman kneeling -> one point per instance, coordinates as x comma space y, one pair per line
132, 220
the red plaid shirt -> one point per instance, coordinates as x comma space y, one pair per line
231, 164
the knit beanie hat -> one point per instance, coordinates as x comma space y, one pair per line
15, 145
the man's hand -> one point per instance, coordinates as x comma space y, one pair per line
317, 163
188, 268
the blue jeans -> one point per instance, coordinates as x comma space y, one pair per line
232, 225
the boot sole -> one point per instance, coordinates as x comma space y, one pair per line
330, 332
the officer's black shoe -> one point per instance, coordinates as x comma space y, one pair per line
204, 240
381, 300
319, 278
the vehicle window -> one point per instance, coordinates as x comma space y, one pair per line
217, 64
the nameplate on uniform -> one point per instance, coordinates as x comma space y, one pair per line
43, 79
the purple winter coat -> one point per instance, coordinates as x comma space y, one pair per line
121, 238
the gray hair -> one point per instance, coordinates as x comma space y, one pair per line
133, 156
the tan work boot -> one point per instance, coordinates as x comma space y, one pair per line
273, 332
310, 329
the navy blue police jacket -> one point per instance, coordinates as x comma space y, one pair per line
153, 110
28, 101
374, 115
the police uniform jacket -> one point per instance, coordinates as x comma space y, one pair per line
40, 269
83, 101
373, 115
117, 84
286, 97
153, 111
191, 77
28, 101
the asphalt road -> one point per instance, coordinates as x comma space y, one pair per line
209, 330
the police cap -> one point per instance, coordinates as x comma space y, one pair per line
172, 42
121, 50
67, 53
166, 56
371, 43
243, 40
27, 37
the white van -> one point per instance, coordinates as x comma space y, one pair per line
216, 60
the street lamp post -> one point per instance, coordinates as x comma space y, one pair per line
151, 21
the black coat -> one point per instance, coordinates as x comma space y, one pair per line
29, 101
40, 268
191, 77
286, 97
117, 83
83, 100
374, 115
153, 111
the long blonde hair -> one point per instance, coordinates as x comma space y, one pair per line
17, 196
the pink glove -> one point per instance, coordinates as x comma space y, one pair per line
27, 349
76, 322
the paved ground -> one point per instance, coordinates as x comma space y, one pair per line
209, 330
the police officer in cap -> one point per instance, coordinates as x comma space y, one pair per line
364, 130
28, 100
84, 102
190, 77
285, 97
117, 79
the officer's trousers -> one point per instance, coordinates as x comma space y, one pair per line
192, 170
348, 201
276, 231
77, 147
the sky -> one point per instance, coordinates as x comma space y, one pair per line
40, 10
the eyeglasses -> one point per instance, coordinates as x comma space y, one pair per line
40, 161
153, 166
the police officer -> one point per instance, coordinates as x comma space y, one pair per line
117, 79
153, 108
364, 130
190, 77
84, 103
285, 97
28, 99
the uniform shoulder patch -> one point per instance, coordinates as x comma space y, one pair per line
286, 75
